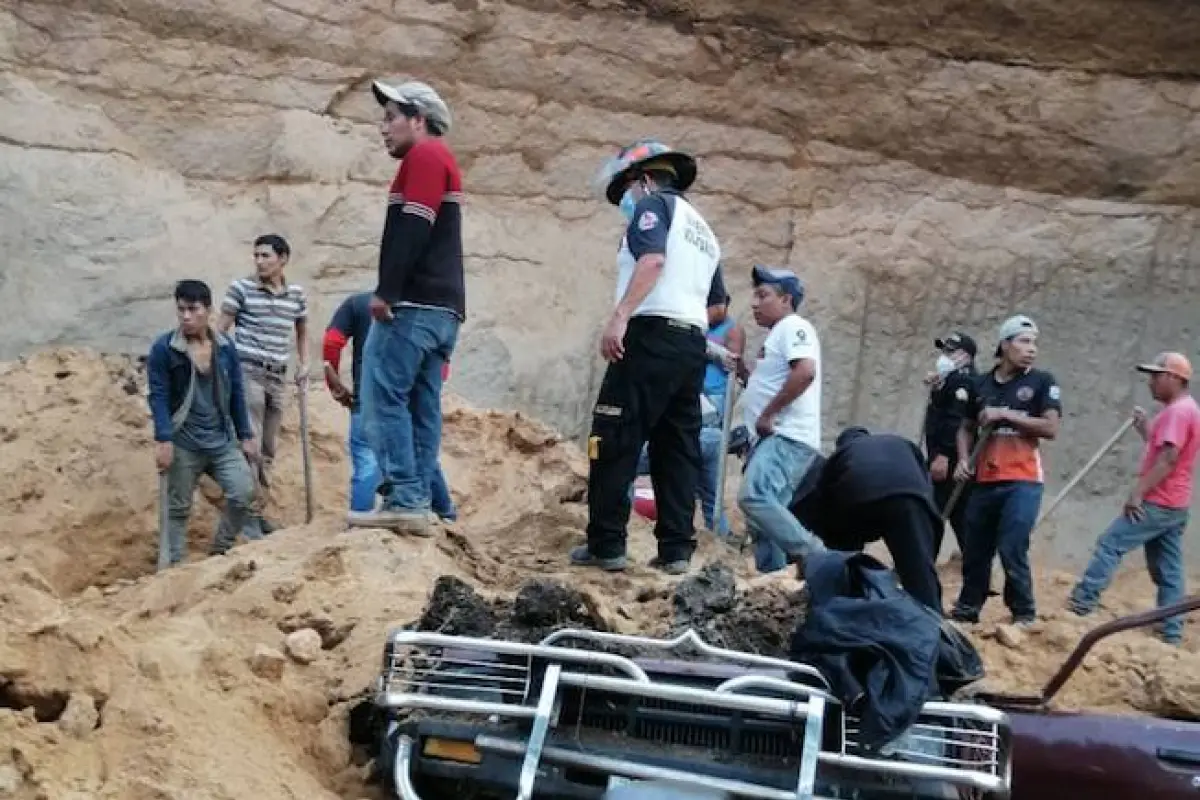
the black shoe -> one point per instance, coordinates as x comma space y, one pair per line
582, 557
964, 616
677, 567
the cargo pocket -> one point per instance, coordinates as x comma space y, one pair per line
610, 434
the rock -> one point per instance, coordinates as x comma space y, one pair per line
267, 663
1010, 636
10, 780
80, 717
304, 645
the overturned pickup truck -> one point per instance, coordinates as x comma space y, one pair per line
581, 712
571, 717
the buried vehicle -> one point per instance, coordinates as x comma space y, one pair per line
581, 714
572, 717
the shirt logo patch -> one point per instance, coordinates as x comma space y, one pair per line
647, 220
801, 336
1024, 394
1054, 392
960, 394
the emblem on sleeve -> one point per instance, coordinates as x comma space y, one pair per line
960, 394
1055, 392
647, 220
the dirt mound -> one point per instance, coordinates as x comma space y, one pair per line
234, 676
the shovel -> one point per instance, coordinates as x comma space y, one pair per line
308, 493
984, 435
1092, 462
164, 544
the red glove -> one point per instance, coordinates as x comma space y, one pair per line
445, 372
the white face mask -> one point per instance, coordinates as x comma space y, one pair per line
945, 365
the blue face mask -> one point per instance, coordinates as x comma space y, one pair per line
628, 205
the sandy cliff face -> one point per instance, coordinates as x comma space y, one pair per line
924, 166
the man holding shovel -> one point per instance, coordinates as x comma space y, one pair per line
266, 313
199, 410
1020, 406
1156, 511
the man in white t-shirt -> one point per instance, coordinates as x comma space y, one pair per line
782, 408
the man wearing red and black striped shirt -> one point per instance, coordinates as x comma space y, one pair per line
417, 306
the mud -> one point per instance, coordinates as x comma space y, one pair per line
707, 601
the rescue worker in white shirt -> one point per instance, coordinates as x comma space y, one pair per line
782, 408
654, 343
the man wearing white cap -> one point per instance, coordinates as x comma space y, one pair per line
1020, 406
1156, 512
417, 306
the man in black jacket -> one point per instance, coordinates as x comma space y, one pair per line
950, 387
875, 486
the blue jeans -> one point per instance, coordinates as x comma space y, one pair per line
999, 520
1160, 532
365, 476
706, 489
402, 400
775, 469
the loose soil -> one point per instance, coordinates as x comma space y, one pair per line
118, 683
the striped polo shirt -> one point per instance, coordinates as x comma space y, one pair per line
264, 320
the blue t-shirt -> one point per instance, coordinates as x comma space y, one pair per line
715, 376
353, 319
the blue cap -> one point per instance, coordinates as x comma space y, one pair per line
787, 281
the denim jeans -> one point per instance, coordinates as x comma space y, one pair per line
231, 472
401, 388
365, 476
775, 469
1000, 518
1160, 532
710, 446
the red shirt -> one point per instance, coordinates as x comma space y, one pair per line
1177, 424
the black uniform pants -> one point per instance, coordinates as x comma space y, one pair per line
958, 515
652, 394
907, 528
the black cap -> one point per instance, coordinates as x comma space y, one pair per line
957, 341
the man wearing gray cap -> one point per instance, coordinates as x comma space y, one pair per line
1020, 406
417, 306
782, 407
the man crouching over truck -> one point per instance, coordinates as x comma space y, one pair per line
199, 412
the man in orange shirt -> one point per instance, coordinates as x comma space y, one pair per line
1020, 406
1156, 512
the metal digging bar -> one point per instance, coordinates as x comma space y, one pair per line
1090, 640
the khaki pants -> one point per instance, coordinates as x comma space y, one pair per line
264, 402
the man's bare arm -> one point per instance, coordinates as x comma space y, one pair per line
1164, 462
302, 341
225, 322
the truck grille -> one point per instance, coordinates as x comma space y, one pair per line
665, 722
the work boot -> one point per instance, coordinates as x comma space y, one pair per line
401, 520
677, 567
582, 557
